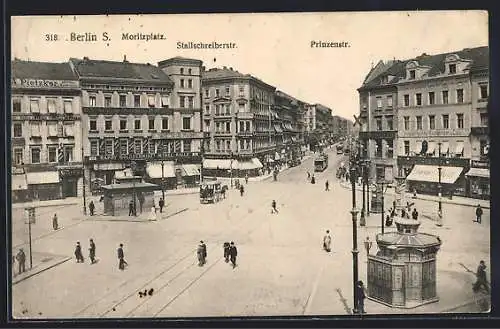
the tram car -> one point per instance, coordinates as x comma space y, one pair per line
320, 163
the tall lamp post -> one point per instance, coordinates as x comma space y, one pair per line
382, 184
231, 169
440, 191
353, 173
133, 167
163, 179
31, 215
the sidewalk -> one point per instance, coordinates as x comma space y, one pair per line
457, 200
48, 203
41, 262
169, 211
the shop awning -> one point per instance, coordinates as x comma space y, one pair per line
418, 148
478, 172
219, 164
46, 177
445, 147
253, 163
154, 170
257, 162
191, 169
431, 147
424, 173
459, 148
19, 182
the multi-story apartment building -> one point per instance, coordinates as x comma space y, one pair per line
238, 121
46, 131
378, 114
341, 127
318, 120
479, 174
135, 112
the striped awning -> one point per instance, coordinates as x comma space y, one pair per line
154, 169
219, 164
478, 172
427, 173
191, 170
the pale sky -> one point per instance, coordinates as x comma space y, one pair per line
273, 47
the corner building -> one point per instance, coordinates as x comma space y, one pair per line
46, 131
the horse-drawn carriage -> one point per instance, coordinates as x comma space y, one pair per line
212, 192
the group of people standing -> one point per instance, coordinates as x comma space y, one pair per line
92, 254
229, 248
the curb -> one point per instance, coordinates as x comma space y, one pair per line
43, 270
425, 199
172, 215
181, 193
140, 221
20, 206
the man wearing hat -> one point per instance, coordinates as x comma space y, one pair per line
481, 278
21, 260
233, 252
201, 253
78, 253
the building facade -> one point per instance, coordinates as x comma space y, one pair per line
341, 128
46, 138
318, 120
238, 121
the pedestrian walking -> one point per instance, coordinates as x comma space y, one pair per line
227, 247
55, 223
274, 210
131, 208
347, 176
201, 253
360, 303
481, 278
242, 190
91, 208
414, 193
308, 175
246, 178
313, 180
414, 214
121, 258
368, 245
92, 252
479, 214
327, 187
78, 253
21, 260
233, 252
327, 241
161, 203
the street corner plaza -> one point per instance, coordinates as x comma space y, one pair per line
281, 267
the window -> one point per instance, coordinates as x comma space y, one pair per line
247, 126
18, 156
123, 124
407, 147
34, 108
379, 102
460, 121
51, 105
242, 144
190, 83
108, 146
164, 123
137, 100
92, 101
431, 98
137, 124
228, 145
94, 148
419, 122
227, 109
407, 123
182, 70
186, 123
190, 71
445, 96
483, 147
217, 92
16, 105
52, 152
108, 125
207, 126
217, 145
68, 130
248, 144
390, 148
137, 146
242, 90
182, 83
242, 126
228, 127
389, 101
207, 92
151, 101
18, 129
418, 99
68, 106
35, 155
412, 74
107, 101
446, 121
406, 100
186, 145
165, 102
68, 153
151, 124
432, 122
190, 102
484, 119
182, 101
379, 124
93, 125
390, 125
123, 100
460, 95
207, 109
227, 91
123, 146
453, 68
483, 92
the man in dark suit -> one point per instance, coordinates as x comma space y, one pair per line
121, 257
233, 252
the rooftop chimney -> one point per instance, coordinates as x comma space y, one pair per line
231, 68
203, 68
125, 59
85, 58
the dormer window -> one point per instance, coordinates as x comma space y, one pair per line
412, 74
453, 68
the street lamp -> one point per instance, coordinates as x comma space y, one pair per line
133, 167
440, 205
31, 213
83, 178
162, 180
353, 173
382, 183
231, 169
